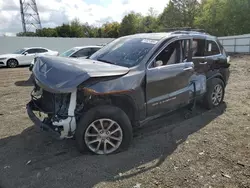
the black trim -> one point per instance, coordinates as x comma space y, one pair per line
37, 122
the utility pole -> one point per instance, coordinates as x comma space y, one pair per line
29, 15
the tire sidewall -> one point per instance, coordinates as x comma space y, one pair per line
108, 112
8, 63
210, 88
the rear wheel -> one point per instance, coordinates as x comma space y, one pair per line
12, 63
104, 130
215, 93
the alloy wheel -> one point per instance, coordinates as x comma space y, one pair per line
103, 136
217, 95
12, 63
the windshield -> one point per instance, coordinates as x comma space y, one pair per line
126, 51
68, 52
20, 51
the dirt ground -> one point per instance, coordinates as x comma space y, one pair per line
210, 149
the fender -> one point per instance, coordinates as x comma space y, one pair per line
216, 75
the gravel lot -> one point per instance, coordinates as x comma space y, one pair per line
210, 149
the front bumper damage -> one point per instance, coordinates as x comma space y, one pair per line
60, 127
37, 122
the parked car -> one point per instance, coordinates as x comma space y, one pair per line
76, 52
130, 81
81, 52
23, 56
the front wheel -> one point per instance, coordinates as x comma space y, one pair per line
215, 93
104, 130
12, 63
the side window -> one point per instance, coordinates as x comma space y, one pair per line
175, 52
36, 50
211, 48
93, 50
32, 51
198, 48
41, 50
82, 52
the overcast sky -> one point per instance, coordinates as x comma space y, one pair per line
55, 12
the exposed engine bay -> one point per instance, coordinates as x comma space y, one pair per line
62, 110
59, 108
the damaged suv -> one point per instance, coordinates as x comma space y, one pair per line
134, 79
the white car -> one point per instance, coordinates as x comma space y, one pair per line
76, 52
81, 51
24, 56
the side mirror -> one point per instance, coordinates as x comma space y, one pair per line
25, 53
158, 63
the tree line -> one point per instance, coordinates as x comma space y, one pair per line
217, 17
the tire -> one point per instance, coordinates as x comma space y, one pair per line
104, 114
212, 85
12, 63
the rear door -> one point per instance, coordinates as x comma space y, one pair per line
168, 78
208, 56
42, 51
198, 55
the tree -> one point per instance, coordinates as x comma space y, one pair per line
187, 10
76, 29
47, 32
152, 12
171, 17
64, 30
27, 34
224, 17
111, 30
130, 24
218, 17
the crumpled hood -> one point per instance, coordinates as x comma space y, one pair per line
63, 75
9, 55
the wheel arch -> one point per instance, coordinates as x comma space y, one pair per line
122, 101
217, 75
12, 59
127, 104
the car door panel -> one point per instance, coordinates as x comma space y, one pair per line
168, 87
28, 59
27, 56
25, 59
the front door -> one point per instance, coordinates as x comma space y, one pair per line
168, 78
27, 56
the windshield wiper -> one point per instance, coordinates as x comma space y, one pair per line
105, 61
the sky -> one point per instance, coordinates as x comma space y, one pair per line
55, 12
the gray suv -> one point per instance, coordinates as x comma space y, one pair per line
127, 83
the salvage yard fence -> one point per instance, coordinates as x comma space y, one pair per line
236, 44
232, 44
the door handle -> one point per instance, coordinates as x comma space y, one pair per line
203, 63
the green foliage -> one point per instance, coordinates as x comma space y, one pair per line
130, 24
111, 30
218, 17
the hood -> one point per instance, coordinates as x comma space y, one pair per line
9, 55
63, 75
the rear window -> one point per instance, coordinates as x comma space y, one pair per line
211, 48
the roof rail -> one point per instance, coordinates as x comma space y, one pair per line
180, 29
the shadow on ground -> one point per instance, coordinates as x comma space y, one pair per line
28, 82
58, 164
